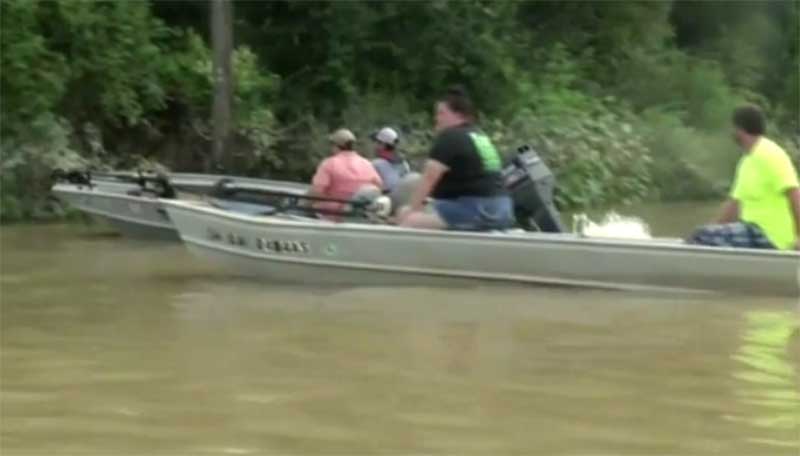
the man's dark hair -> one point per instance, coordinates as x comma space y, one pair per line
457, 100
349, 145
750, 119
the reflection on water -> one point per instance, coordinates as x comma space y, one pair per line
118, 347
768, 380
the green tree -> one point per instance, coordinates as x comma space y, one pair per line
32, 76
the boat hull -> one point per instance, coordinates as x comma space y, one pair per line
133, 216
319, 252
143, 217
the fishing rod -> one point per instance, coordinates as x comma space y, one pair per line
281, 201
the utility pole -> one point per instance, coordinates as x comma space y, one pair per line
222, 42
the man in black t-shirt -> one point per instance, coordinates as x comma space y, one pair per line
462, 175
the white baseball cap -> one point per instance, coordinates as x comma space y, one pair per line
386, 135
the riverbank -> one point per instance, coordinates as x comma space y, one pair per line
626, 101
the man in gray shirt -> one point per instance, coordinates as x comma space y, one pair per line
389, 164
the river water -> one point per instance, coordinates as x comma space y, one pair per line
112, 346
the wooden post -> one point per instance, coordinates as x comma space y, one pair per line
222, 42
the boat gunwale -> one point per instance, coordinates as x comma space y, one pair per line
199, 179
75, 189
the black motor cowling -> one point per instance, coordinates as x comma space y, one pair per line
531, 184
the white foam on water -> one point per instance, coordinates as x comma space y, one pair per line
613, 225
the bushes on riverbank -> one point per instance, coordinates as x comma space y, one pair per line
625, 100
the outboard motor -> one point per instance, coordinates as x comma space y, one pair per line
531, 185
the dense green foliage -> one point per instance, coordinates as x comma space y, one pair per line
626, 100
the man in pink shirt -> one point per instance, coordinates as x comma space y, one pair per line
342, 174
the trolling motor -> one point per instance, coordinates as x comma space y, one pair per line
75, 177
531, 184
164, 188
157, 184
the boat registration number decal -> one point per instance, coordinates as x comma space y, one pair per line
267, 245
282, 246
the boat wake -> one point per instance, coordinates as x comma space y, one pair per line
613, 225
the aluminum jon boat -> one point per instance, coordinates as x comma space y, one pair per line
300, 249
133, 204
286, 247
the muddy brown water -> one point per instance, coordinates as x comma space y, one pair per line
112, 346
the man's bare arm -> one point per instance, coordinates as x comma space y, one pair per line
729, 213
794, 201
431, 175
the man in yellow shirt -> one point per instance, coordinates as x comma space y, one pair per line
763, 210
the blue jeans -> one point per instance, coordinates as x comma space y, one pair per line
476, 213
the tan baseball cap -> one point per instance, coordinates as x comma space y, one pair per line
342, 136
